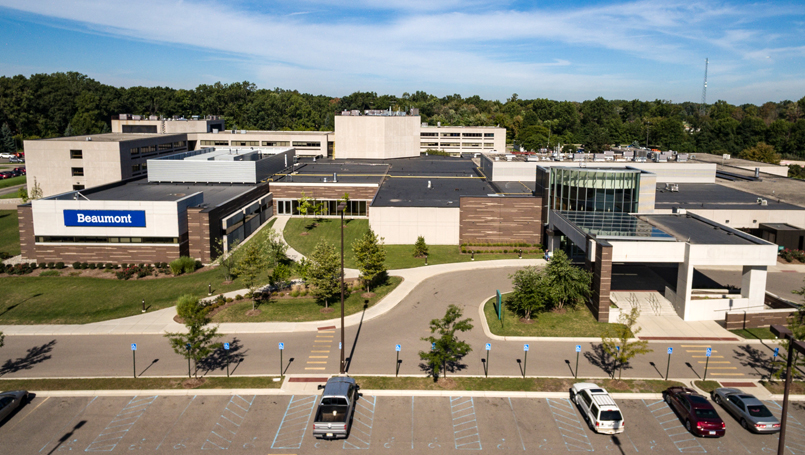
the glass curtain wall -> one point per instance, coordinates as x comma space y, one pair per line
329, 206
594, 190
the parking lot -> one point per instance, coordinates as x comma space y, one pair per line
282, 424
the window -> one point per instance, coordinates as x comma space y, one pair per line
306, 144
179, 144
472, 144
472, 134
451, 134
594, 411
610, 416
215, 142
489, 134
759, 411
429, 144
78, 172
428, 134
586, 397
135, 168
148, 149
135, 150
76, 154
71, 239
706, 413
246, 143
78, 187
276, 143
166, 146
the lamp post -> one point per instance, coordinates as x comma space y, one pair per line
784, 333
341, 207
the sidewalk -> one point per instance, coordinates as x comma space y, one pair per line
161, 321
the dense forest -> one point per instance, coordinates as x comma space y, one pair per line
48, 105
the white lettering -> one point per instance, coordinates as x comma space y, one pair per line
80, 218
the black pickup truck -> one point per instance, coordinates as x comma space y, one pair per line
337, 405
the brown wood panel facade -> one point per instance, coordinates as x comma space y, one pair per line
116, 254
602, 281
744, 320
500, 220
25, 217
281, 191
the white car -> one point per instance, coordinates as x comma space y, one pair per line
6, 155
598, 408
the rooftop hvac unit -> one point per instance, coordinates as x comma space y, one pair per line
679, 211
89, 138
153, 117
429, 185
335, 177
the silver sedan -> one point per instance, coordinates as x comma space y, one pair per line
9, 401
749, 411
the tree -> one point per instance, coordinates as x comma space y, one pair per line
309, 206
69, 131
616, 341
226, 259
531, 292
36, 191
370, 254
447, 348
420, 247
8, 144
199, 341
279, 275
250, 265
2, 339
303, 270
762, 153
275, 248
568, 284
22, 193
796, 324
324, 272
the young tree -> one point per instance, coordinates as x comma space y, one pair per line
303, 269
22, 193
568, 284
531, 292
761, 152
616, 341
36, 191
199, 341
226, 259
324, 272
370, 254
309, 206
8, 144
275, 248
69, 131
447, 348
420, 247
279, 275
250, 264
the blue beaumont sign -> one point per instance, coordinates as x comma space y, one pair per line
105, 218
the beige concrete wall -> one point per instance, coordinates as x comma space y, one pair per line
377, 137
513, 171
495, 143
747, 218
322, 137
402, 225
168, 126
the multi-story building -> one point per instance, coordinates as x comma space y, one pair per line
463, 139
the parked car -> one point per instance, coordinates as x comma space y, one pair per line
21, 170
749, 411
336, 408
699, 415
598, 408
9, 401
16, 160
6, 175
7, 155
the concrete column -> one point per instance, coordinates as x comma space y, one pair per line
684, 287
553, 242
753, 284
602, 280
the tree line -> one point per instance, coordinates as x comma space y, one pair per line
48, 105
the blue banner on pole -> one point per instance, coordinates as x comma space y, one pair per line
498, 304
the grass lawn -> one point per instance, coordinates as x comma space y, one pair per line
19, 180
574, 322
755, 334
509, 384
300, 310
707, 386
251, 382
778, 387
80, 300
9, 232
397, 256
12, 195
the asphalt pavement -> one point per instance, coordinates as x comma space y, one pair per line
394, 425
370, 347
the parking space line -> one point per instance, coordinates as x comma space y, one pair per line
177, 421
119, 426
727, 374
681, 437
360, 435
704, 356
20, 419
516, 423
69, 422
570, 427
465, 423
321, 351
225, 430
314, 368
794, 432
318, 356
695, 345
294, 422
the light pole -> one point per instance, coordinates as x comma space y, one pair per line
784, 333
341, 208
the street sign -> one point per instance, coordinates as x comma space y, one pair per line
776, 352
339, 345
709, 351
578, 348
398, 348
433, 346
670, 351
282, 346
188, 346
488, 346
618, 348
226, 346
133, 346
525, 347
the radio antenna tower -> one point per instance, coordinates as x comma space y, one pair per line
704, 88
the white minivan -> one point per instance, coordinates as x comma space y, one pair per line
598, 408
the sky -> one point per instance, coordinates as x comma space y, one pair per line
538, 49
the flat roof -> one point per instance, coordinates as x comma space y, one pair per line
347, 172
697, 231
142, 190
114, 137
515, 188
781, 226
614, 225
714, 196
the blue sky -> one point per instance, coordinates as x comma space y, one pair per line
625, 50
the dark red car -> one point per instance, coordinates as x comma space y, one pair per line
698, 415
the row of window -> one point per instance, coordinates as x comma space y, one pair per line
456, 144
329, 207
458, 134
139, 167
72, 239
264, 143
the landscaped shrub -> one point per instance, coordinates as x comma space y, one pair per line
51, 265
294, 293
229, 300
799, 255
92, 266
84, 265
238, 297
109, 266
60, 265
76, 265
787, 255
183, 265
420, 247
197, 265
124, 265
